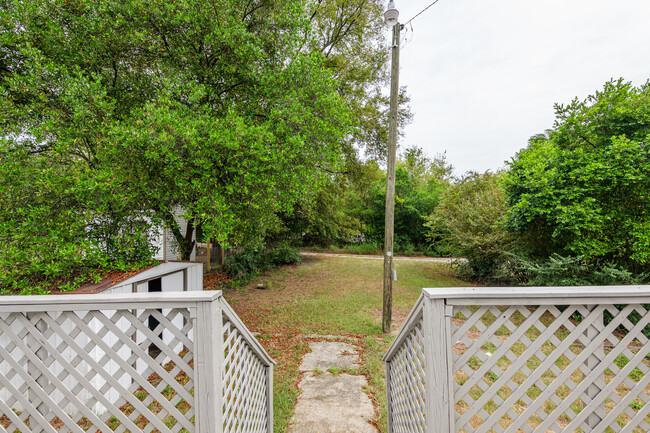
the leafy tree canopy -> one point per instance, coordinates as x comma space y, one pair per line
419, 182
127, 110
582, 188
351, 34
468, 219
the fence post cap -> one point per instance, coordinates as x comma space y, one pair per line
536, 292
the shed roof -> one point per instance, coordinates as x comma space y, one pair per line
112, 279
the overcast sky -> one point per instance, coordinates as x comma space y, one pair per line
483, 76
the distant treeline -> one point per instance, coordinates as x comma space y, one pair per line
571, 208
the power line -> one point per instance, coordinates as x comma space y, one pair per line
421, 12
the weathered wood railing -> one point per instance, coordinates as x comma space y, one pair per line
525, 359
166, 362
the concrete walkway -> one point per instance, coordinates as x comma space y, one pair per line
331, 401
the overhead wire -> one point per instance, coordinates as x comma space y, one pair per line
421, 12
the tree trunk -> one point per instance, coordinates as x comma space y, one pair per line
185, 242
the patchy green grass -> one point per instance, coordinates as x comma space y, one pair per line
339, 296
330, 296
374, 370
287, 351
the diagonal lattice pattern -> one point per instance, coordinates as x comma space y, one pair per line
244, 379
106, 371
407, 394
551, 369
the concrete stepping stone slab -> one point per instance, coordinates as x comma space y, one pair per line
330, 354
329, 403
333, 404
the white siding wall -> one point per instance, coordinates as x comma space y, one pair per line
171, 245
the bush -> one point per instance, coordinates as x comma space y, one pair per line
42, 253
364, 248
581, 189
574, 271
283, 255
244, 265
407, 248
469, 215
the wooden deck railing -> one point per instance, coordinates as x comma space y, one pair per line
166, 362
525, 359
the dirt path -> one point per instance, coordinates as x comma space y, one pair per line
398, 258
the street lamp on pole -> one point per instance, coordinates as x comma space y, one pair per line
391, 15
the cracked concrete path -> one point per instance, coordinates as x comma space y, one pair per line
332, 403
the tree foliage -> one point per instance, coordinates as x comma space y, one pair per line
134, 109
583, 189
351, 34
571, 208
350, 209
419, 181
468, 217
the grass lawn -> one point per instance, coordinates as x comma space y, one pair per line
330, 296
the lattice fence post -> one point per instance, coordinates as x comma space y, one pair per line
438, 370
35, 372
389, 395
592, 362
269, 398
207, 366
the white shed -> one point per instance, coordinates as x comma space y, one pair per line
166, 243
166, 277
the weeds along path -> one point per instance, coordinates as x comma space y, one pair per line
326, 299
332, 396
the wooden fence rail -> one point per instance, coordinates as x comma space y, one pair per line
525, 359
163, 362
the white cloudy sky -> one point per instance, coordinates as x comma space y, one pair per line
484, 75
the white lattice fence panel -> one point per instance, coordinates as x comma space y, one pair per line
106, 371
407, 383
550, 369
244, 381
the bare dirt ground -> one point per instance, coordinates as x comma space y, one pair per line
399, 258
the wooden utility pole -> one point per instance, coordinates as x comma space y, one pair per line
390, 184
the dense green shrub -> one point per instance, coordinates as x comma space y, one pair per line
571, 271
439, 239
405, 247
470, 212
582, 189
252, 261
243, 263
283, 255
362, 248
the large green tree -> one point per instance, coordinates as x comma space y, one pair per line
419, 182
351, 34
582, 188
147, 107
